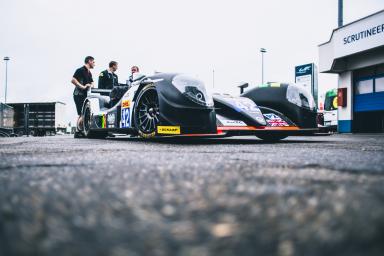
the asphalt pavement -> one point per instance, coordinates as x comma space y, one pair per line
320, 195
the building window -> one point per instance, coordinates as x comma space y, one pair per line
364, 86
379, 84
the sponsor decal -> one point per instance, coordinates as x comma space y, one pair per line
147, 135
125, 115
275, 84
275, 120
168, 129
125, 104
233, 123
272, 84
111, 118
103, 121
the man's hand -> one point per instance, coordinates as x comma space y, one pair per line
78, 84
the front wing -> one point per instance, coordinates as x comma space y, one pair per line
227, 131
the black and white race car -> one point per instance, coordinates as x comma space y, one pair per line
179, 105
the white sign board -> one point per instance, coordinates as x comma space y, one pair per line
360, 36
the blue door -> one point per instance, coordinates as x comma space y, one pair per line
368, 104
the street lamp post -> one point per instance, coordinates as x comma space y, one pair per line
340, 13
262, 50
6, 59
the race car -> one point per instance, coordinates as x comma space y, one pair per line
167, 104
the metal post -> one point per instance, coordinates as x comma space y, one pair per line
262, 50
26, 119
6, 59
262, 68
340, 11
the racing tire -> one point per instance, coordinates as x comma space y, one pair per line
146, 112
271, 137
87, 121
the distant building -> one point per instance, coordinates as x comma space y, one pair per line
356, 52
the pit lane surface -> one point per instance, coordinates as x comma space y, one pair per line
235, 196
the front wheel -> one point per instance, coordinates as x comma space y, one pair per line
146, 112
87, 121
271, 137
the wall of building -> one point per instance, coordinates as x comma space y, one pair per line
345, 114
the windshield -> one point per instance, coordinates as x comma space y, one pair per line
193, 89
300, 97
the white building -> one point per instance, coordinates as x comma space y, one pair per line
356, 53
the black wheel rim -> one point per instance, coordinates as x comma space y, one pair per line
148, 112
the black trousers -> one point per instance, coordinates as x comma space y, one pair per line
79, 101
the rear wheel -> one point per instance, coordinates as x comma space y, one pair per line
146, 112
87, 121
271, 137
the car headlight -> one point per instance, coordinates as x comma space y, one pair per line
193, 89
300, 97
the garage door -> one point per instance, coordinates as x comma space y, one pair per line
369, 94
369, 104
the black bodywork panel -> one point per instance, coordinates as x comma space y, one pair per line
275, 98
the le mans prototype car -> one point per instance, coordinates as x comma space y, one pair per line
179, 105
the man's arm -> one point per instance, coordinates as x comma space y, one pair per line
78, 84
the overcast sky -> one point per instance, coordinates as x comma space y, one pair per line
47, 40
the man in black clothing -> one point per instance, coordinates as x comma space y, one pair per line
82, 80
108, 79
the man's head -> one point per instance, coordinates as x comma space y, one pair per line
135, 69
89, 61
113, 66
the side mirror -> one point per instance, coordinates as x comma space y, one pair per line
242, 87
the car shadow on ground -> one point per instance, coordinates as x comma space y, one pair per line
209, 141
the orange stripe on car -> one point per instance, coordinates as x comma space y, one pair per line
253, 128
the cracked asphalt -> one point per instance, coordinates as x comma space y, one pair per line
234, 196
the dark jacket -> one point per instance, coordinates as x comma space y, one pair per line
107, 80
